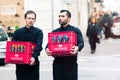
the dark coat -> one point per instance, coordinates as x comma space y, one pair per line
106, 19
66, 68
92, 31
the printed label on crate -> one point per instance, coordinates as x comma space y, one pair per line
16, 57
61, 47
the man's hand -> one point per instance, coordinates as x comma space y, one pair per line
74, 49
48, 52
106, 24
98, 36
32, 61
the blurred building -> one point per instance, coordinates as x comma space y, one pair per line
11, 14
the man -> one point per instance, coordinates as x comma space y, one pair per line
106, 23
31, 34
66, 68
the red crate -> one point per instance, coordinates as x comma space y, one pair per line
60, 43
19, 52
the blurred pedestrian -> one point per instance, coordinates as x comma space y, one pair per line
101, 13
66, 67
106, 22
32, 34
93, 33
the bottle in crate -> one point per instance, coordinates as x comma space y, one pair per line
65, 38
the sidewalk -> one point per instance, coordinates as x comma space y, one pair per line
104, 64
109, 47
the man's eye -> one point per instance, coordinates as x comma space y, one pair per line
31, 18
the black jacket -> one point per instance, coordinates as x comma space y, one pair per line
92, 32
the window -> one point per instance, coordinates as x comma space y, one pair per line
3, 35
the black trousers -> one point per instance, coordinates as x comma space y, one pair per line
93, 46
107, 32
92, 42
27, 72
65, 71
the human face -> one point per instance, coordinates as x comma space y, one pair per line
63, 19
93, 20
30, 20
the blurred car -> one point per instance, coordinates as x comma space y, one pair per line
3, 39
115, 29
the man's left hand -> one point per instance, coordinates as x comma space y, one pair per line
32, 61
74, 49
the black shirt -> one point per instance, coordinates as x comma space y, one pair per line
32, 34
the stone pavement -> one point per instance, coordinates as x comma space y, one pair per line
103, 65
110, 47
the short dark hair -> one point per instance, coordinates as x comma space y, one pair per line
67, 11
29, 12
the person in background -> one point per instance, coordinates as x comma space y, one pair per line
107, 22
93, 14
32, 34
101, 13
93, 33
66, 67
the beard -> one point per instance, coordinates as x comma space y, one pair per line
62, 24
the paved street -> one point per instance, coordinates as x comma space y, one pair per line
103, 65
105, 48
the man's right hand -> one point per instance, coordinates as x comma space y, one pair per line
48, 52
